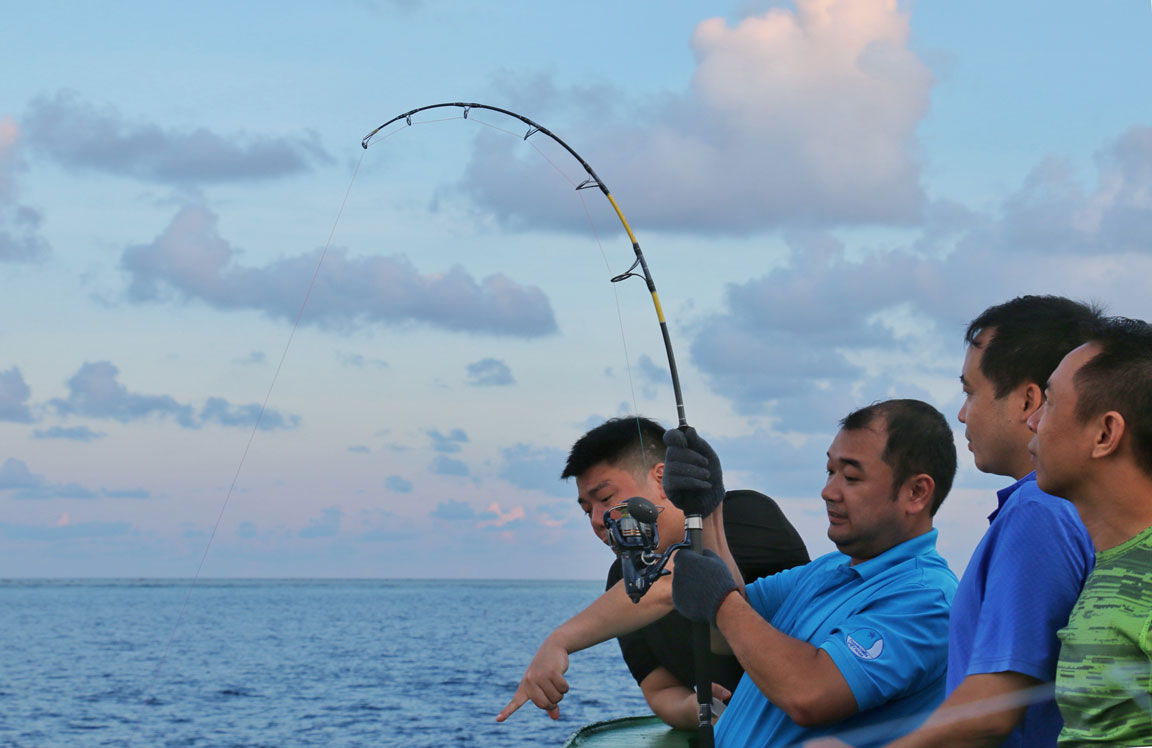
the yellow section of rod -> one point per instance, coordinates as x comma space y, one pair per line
659, 309
624, 221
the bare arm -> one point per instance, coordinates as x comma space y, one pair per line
797, 677
612, 614
676, 703
716, 540
978, 714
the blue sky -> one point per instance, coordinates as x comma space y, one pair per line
825, 191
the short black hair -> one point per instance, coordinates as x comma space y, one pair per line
919, 441
1031, 335
1119, 378
634, 443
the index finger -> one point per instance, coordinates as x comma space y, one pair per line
517, 701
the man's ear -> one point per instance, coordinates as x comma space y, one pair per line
657, 473
1033, 398
1109, 434
918, 491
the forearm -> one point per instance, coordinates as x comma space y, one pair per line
676, 705
613, 614
716, 540
980, 713
797, 677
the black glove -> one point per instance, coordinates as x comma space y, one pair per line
700, 584
692, 477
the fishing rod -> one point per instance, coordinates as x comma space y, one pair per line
693, 524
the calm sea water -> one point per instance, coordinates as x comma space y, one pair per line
291, 663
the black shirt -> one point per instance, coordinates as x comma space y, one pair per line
763, 542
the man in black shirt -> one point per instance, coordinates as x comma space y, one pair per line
621, 458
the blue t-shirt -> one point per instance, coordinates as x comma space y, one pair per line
884, 622
1017, 591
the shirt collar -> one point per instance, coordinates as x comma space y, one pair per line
897, 554
1005, 493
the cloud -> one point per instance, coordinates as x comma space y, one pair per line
804, 341
453, 510
490, 372
14, 394
189, 260
24, 484
497, 518
95, 392
358, 361
324, 526
535, 468
20, 240
447, 443
73, 433
359, 449
652, 376
220, 411
802, 117
65, 532
79, 135
447, 466
398, 483
255, 358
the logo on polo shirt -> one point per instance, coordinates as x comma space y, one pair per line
867, 644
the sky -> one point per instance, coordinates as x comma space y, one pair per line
826, 192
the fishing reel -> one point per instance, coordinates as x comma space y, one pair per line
635, 538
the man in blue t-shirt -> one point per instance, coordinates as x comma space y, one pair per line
852, 644
1030, 566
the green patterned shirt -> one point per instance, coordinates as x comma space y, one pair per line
1104, 674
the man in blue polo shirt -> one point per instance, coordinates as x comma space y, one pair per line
857, 638
1030, 566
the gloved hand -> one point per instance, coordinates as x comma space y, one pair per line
692, 477
699, 584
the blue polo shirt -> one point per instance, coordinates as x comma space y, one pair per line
1017, 591
884, 622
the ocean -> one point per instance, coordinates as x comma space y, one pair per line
280, 663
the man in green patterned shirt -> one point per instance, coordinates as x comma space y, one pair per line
1093, 446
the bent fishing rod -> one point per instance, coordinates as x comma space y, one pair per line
646, 567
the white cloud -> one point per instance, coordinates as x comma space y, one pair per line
792, 117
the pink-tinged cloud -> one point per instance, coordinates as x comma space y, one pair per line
191, 261
502, 518
792, 118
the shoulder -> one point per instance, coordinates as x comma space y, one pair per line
742, 502
1045, 518
924, 576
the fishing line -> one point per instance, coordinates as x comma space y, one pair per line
251, 437
623, 339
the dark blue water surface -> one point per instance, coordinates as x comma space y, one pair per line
290, 663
